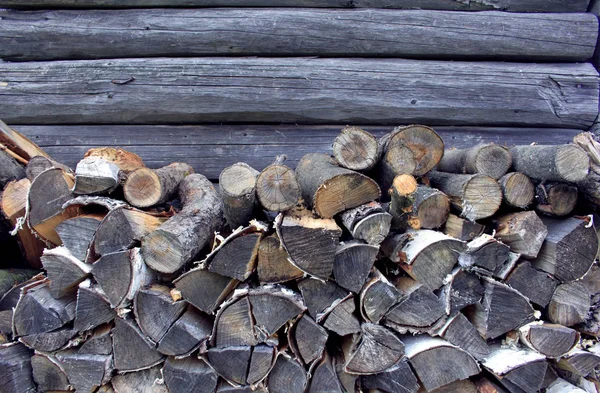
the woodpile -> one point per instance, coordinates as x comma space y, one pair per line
395, 265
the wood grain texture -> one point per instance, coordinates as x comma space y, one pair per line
475, 5
66, 34
210, 148
255, 90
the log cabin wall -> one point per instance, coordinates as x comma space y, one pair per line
213, 82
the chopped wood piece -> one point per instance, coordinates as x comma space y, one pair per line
562, 386
579, 362
277, 188
341, 319
403, 195
373, 350
568, 163
330, 189
377, 296
534, 284
192, 329
155, 311
430, 357
486, 159
310, 242
146, 187
142, 381
419, 308
589, 187
64, 271
15, 370
308, 339
556, 199
368, 222
180, 238
272, 265
86, 372
396, 379
475, 196
121, 275
324, 378
273, 307
462, 229
484, 255
549, 339
397, 160
19, 143
570, 304
131, 350
231, 363
427, 256
48, 373
92, 309
320, 295
569, 250
234, 325
39, 164
460, 332
518, 190
204, 289
353, 262
502, 309
462, 289
356, 149
237, 259
77, 233
125, 160
430, 208
524, 232
10, 169
99, 343
518, 370
287, 376
49, 341
263, 358
189, 375
237, 185
95, 175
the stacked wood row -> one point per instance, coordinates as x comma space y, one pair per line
321, 278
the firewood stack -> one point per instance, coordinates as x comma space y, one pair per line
392, 266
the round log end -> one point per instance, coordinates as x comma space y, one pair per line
482, 198
400, 159
142, 188
404, 184
343, 192
433, 211
518, 190
572, 163
237, 180
356, 149
162, 251
277, 188
425, 144
493, 160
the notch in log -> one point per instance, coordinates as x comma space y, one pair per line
155, 311
64, 271
77, 233
353, 262
462, 289
475, 196
484, 255
549, 339
131, 350
189, 375
15, 370
373, 350
518, 190
204, 289
287, 376
398, 379
524, 232
307, 339
356, 149
561, 163
536, 285
181, 237
460, 332
518, 370
273, 266
556, 199
146, 187
330, 189
144, 380
95, 175
570, 304
377, 296
92, 308
277, 187
48, 374
369, 222
237, 185
462, 229
191, 330
319, 296
486, 159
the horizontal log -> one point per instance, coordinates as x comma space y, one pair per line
298, 90
66, 34
211, 148
474, 5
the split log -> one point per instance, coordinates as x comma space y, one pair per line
589, 187
579, 362
142, 381
562, 386
180, 238
518, 370
16, 373
324, 378
518, 190
39, 164
487, 159
398, 379
369, 222
427, 256
155, 311
460, 332
377, 296
99, 342
356, 149
556, 199
475, 196
484, 255
234, 325
570, 304
524, 232
502, 309
131, 350
189, 375
121, 275
330, 189
191, 330
277, 187
48, 373
237, 185
319, 296
353, 262
231, 363
549, 339
534, 284
272, 265
204, 289
569, 250
146, 187
263, 358
373, 350
461, 289
348, 381
308, 340
272, 307
85, 371
95, 175
76, 234
125, 160
341, 319
49, 341
64, 271
560, 163
462, 229
10, 169
92, 309
287, 376
310, 242
237, 258
430, 356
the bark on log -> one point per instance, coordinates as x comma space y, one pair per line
562, 386
518, 190
589, 187
461, 289
549, 339
524, 232
180, 238
369, 222
486, 159
356, 149
462, 229
64, 271
95, 176
377, 296
484, 255
562, 163
277, 188
570, 304
237, 185
353, 262
534, 284
125, 160
146, 187
518, 370
556, 199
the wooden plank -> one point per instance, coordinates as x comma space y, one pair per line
298, 90
475, 5
211, 148
66, 34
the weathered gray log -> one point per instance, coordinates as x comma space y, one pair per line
589, 142
519, 370
234, 325
562, 386
579, 362
460, 332
261, 362
16, 372
461, 289
536, 285
399, 378
86, 371
524, 232
308, 339
324, 377
237, 186
96, 175
272, 264
570, 304
373, 350
487, 159
131, 350
39, 164
189, 375
462, 229
204, 289
92, 309
556, 199
287, 376
64, 271
549, 339
356, 149
369, 222
518, 190
377, 296
484, 255
277, 188
49, 341
191, 330
237, 258
146, 187
144, 380
341, 318
77, 233
538, 92
48, 373
10, 169
155, 311
231, 363
353, 262
567, 163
